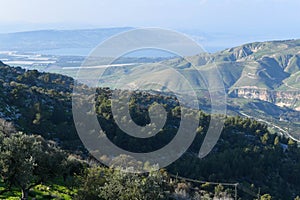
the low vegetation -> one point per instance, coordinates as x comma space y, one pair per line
42, 157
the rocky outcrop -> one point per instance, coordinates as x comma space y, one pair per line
280, 98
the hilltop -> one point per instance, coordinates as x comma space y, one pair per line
56, 40
268, 72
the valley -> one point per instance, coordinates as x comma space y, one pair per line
253, 74
39, 105
149, 100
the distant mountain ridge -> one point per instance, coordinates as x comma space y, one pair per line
254, 72
56, 39
269, 71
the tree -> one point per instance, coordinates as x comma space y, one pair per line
291, 142
265, 138
73, 166
7, 128
89, 182
266, 197
218, 190
28, 160
276, 141
99, 183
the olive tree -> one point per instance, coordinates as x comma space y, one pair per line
107, 184
28, 160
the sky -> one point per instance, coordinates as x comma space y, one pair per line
264, 19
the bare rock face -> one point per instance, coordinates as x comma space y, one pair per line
279, 98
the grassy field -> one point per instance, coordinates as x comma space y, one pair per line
50, 191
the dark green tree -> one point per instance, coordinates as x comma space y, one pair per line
28, 160
99, 184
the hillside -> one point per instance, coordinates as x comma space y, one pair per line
40, 103
257, 72
267, 71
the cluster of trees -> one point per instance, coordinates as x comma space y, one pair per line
246, 152
250, 155
30, 160
27, 160
40, 103
106, 184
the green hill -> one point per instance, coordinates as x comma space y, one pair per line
260, 71
246, 152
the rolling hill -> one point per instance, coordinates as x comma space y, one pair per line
262, 79
256, 76
267, 71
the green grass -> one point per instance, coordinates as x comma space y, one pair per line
40, 192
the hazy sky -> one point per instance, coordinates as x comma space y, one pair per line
225, 23
212, 15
